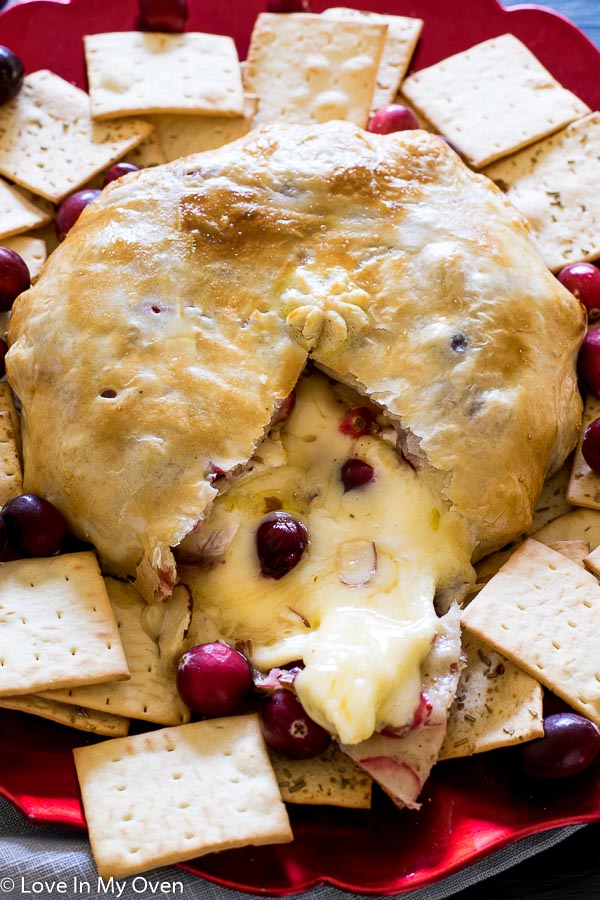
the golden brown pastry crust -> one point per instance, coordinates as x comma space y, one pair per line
396, 267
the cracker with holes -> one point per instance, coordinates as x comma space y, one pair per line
11, 478
17, 213
552, 501
48, 142
126, 74
183, 135
584, 484
32, 251
402, 35
152, 656
58, 627
174, 794
552, 184
497, 704
492, 99
330, 779
579, 524
148, 153
72, 716
575, 550
305, 68
542, 611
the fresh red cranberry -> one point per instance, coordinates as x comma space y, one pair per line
14, 277
213, 679
588, 363
280, 542
118, 170
289, 730
357, 422
288, 6
3, 352
71, 208
590, 446
34, 526
392, 118
355, 473
569, 745
163, 15
583, 280
11, 75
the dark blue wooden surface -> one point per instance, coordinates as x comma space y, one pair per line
584, 13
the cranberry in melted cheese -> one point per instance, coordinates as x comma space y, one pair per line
358, 608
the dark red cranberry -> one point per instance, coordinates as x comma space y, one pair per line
355, 473
14, 277
71, 208
163, 15
569, 745
34, 526
583, 280
590, 446
288, 6
289, 730
3, 352
280, 542
11, 75
118, 170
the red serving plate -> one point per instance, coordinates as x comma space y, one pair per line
470, 807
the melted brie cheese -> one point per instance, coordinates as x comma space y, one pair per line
358, 608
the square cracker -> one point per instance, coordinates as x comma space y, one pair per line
497, 704
151, 692
147, 154
48, 142
11, 478
330, 779
580, 524
584, 484
552, 501
305, 68
174, 794
71, 716
31, 249
542, 611
553, 183
402, 36
492, 99
58, 627
137, 72
184, 135
17, 213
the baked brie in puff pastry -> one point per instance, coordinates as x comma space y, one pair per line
169, 327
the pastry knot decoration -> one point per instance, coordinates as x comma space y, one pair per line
325, 313
169, 327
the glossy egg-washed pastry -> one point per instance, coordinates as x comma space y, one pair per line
168, 329
169, 326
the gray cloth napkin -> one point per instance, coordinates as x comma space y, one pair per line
51, 861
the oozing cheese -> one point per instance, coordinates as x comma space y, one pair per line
362, 643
